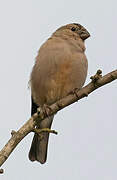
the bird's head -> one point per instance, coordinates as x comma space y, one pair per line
75, 29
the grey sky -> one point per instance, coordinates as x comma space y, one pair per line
86, 148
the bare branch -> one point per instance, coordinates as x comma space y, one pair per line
38, 131
29, 126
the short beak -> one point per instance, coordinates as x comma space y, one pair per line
84, 35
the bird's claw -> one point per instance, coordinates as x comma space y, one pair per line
46, 110
75, 92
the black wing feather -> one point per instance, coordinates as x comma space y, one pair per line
34, 107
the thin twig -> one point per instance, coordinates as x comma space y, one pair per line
38, 131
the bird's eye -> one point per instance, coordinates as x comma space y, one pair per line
73, 28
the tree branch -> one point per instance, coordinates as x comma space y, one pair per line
29, 126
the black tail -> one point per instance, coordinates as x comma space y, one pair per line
38, 150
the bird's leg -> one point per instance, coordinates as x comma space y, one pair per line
46, 110
75, 92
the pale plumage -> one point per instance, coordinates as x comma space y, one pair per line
60, 67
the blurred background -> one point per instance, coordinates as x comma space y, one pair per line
86, 148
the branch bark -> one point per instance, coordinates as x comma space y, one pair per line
29, 126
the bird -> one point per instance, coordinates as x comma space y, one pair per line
60, 67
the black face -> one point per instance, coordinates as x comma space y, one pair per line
79, 29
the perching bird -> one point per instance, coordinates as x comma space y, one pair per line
60, 67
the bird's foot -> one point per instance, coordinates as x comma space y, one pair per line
75, 92
47, 110
44, 111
